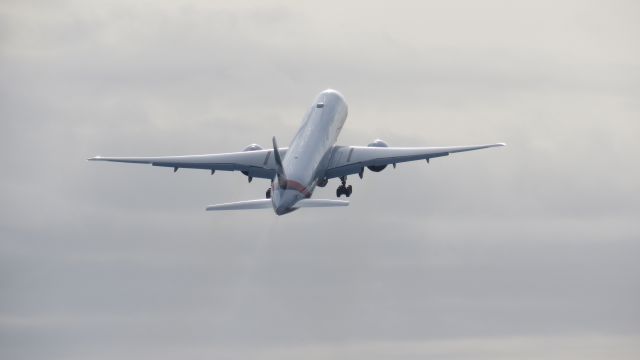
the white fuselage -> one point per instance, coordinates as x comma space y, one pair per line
308, 155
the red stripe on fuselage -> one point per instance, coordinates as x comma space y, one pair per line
294, 185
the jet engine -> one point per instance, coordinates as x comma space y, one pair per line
252, 147
377, 143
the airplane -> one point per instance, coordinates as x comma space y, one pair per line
311, 159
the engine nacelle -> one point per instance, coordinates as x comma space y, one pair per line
377, 143
252, 147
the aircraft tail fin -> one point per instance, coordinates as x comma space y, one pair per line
282, 177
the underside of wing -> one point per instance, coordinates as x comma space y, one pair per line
346, 160
256, 163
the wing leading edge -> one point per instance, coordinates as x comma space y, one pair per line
258, 163
347, 160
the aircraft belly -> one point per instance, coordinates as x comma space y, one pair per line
308, 150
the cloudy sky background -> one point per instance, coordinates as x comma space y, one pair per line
529, 251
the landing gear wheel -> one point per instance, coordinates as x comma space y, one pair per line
268, 194
343, 189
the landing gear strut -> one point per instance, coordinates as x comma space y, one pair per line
268, 194
344, 189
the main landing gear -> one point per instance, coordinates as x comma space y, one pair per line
344, 189
268, 194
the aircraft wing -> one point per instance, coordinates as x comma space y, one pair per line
347, 160
257, 163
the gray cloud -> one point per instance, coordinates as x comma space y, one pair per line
486, 254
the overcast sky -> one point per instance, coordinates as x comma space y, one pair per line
529, 251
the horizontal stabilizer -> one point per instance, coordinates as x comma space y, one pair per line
242, 205
266, 204
308, 203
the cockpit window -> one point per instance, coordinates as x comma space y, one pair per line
320, 105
